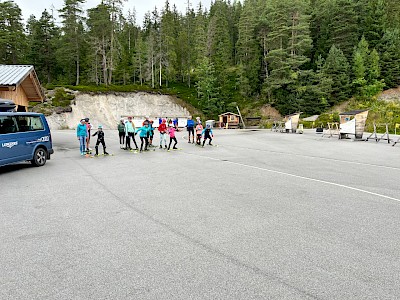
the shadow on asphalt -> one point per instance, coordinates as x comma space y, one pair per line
15, 167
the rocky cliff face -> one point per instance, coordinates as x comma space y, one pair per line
107, 109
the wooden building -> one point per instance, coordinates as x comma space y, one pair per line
353, 123
20, 84
229, 120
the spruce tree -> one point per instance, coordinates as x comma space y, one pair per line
337, 68
70, 54
248, 51
344, 26
12, 38
43, 43
99, 33
389, 50
207, 89
373, 21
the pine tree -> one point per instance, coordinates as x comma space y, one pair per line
43, 44
200, 37
70, 53
373, 21
167, 35
321, 27
100, 27
337, 68
248, 51
12, 38
389, 49
366, 70
344, 26
289, 42
126, 40
207, 89
393, 14
115, 9
219, 42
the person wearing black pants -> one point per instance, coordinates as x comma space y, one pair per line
145, 141
100, 140
144, 130
130, 133
208, 135
172, 137
121, 131
128, 141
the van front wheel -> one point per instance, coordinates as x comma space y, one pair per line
39, 157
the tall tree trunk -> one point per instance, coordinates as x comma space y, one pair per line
111, 63
152, 70
77, 70
104, 62
160, 73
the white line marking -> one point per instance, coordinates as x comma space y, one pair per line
300, 177
317, 157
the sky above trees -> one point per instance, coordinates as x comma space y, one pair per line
36, 8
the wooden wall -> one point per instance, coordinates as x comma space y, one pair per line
361, 118
18, 96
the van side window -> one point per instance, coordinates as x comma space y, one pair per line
7, 125
36, 123
29, 123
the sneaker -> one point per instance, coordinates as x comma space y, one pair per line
175, 148
106, 153
82, 153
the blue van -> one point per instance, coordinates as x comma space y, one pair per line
24, 137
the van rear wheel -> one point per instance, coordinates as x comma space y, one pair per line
39, 157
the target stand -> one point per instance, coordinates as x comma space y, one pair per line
384, 137
333, 130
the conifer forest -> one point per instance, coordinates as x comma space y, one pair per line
296, 55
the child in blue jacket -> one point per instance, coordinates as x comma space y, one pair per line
208, 134
144, 133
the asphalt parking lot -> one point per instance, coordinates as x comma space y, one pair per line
262, 215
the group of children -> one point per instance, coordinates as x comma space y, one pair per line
200, 131
127, 132
83, 133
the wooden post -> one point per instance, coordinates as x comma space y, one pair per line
244, 125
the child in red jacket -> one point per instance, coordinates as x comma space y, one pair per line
162, 128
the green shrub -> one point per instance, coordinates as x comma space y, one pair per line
62, 98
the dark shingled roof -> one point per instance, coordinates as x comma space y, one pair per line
353, 112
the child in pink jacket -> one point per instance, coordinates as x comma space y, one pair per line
199, 132
172, 137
